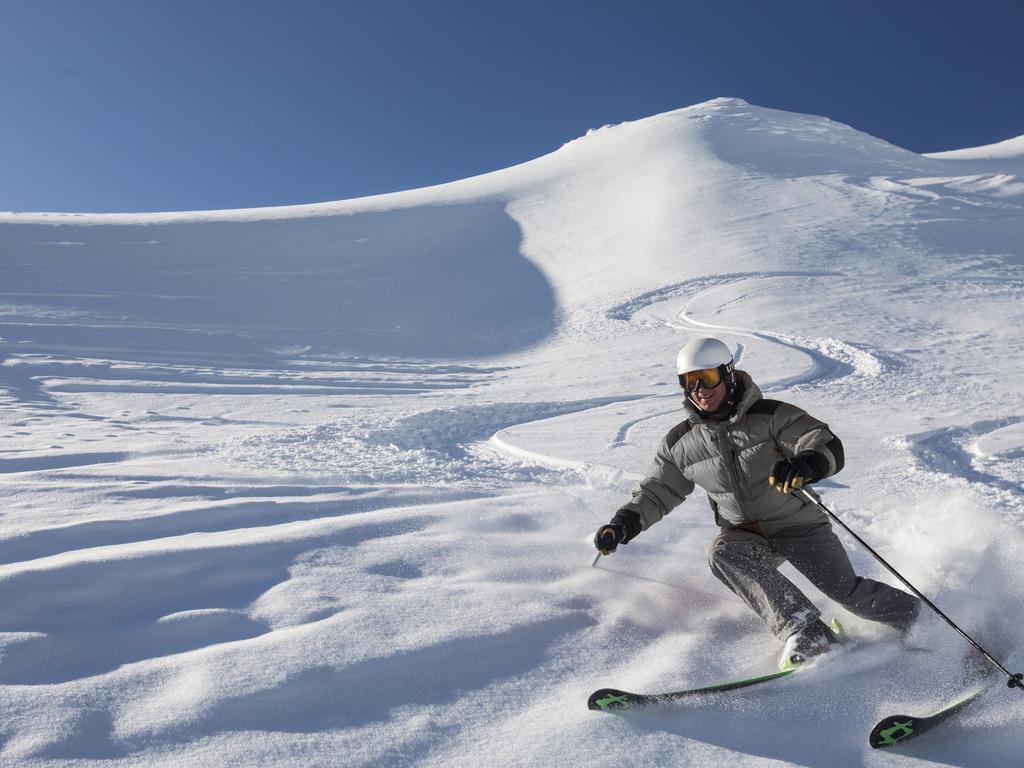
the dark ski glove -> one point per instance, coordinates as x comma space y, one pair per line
805, 468
621, 530
608, 538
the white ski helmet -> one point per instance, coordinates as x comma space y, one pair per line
701, 353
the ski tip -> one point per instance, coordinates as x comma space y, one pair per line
607, 699
891, 731
895, 729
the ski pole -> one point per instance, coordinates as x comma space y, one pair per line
1013, 680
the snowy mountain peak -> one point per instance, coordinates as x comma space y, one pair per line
725, 101
1006, 157
1010, 149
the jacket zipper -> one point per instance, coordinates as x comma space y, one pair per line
734, 474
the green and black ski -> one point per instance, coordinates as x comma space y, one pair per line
607, 699
894, 730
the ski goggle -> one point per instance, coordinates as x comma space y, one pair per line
709, 378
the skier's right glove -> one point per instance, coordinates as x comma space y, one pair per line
621, 530
608, 538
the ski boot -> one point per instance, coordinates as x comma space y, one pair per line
807, 642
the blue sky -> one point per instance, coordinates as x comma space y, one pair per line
140, 105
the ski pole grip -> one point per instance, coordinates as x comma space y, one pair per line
1016, 681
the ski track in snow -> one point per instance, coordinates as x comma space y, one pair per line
957, 454
830, 359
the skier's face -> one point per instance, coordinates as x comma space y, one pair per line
709, 399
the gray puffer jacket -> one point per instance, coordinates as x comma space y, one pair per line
731, 460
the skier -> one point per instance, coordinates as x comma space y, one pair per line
748, 454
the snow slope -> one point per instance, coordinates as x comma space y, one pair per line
1008, 154
316, 485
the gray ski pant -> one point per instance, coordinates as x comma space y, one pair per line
748, 563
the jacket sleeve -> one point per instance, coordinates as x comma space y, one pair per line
665, 486
796, 432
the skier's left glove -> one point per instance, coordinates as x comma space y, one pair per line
805, 468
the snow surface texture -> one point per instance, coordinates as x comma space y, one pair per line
317, 485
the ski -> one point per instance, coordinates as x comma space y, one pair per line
606, 699
894, 730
